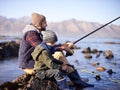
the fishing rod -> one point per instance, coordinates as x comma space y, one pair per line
95, 30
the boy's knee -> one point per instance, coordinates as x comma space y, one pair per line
58, 54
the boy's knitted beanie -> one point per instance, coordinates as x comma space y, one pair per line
49, 36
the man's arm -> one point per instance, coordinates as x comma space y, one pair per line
33, 38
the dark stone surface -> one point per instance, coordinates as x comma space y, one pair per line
29, 82
8, 49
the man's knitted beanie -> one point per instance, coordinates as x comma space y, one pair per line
37, 19
49, 36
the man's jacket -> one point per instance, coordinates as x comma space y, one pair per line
30, 40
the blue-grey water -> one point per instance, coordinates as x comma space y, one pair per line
9, 69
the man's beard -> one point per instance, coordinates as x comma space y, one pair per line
43, 29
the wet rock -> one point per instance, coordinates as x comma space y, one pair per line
87, 50
108, 54
95, 64
88, 56
98, 54
94, 51
97, 77
100, 68
110, 72
8, 49
8, 86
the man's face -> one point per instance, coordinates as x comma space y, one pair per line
44, 25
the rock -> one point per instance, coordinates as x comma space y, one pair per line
38, 84
87, 50
97, 77
22, 79
108, 54
100, 68
8, 86
95, 63
8, 49
29, 82
110, 72
88, 56
98, 54
94, 51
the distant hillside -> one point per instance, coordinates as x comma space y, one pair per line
70, 28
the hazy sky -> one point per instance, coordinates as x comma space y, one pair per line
101, 11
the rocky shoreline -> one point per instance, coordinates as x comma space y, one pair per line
29, 82
9, 49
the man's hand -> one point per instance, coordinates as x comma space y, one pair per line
64, 67
70, 44
68, 48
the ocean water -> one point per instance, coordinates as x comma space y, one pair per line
9, 68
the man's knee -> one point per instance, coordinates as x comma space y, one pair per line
29, 71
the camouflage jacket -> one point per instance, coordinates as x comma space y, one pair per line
43, 59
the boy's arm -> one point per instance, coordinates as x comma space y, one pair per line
49, 61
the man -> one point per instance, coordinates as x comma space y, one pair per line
33, 37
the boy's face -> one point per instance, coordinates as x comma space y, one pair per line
51, 43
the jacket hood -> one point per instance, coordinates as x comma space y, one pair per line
30, 28
48, 48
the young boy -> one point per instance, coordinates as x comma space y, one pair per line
46, 66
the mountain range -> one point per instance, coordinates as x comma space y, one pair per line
67, 28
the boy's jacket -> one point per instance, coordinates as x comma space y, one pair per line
44, 59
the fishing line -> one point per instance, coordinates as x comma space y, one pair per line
97, 76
